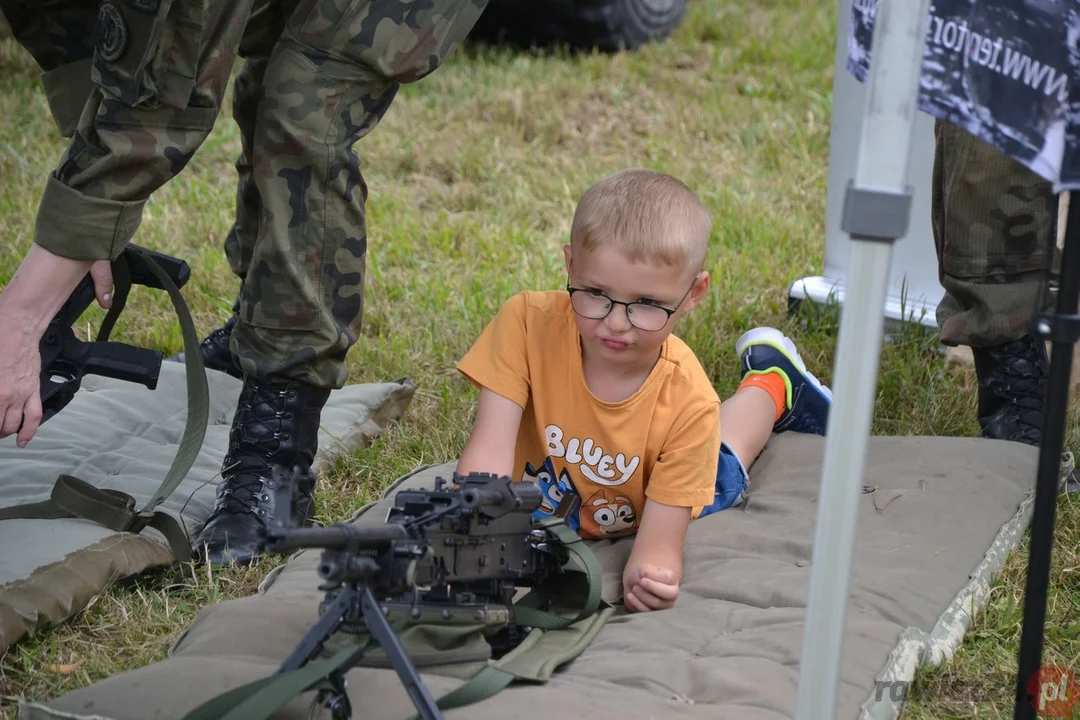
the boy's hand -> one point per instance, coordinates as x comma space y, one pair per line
649, 587
654, 570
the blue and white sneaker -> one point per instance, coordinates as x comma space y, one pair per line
765, 350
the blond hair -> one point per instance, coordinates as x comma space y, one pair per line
646, 215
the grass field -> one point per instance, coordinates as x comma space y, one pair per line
473, 177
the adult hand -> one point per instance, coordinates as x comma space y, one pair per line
33, 297
649, 587
20, 389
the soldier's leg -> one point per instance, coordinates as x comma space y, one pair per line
263, 30
994, 224
330, 79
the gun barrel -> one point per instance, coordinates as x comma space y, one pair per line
337, 537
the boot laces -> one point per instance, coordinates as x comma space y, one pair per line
249, 482
1023, 382
244, 492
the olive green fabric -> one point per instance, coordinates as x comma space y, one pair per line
938, 515
122, 436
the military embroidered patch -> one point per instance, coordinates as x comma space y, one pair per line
112, 30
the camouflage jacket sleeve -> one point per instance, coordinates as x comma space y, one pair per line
152, 94
75, 225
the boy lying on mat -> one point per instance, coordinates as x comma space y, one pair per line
588, 393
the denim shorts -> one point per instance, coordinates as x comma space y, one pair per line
731, 482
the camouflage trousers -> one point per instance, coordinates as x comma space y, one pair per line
995, 229
316, 77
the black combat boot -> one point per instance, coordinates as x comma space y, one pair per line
215, 348
275, 424
1012, 384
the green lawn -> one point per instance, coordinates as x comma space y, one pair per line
473, 176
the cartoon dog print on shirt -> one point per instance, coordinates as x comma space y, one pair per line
607, 514
554, 490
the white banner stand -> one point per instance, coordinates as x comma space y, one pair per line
913, 291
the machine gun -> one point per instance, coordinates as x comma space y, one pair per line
454, 552
65, 359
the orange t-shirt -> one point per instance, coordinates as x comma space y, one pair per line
662, 442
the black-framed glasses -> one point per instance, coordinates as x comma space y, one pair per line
596, 305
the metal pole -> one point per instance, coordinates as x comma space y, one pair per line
876, 212
1063, 329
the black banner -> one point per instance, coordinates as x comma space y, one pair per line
1003, 70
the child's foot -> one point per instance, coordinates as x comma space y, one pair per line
766, 350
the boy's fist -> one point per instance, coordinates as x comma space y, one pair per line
649, 587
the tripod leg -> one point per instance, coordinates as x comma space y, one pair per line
380, 629
1063, 329
313, 641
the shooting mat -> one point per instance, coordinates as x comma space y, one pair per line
123, 436
944, 515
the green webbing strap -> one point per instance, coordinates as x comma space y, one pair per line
488, 682
259, 699
527, 610
198, 393
72, 497
75, 498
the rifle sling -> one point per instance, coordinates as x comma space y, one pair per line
527, 610
488, 682
259, 699
75, 498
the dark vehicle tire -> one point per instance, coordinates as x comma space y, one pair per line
581, 25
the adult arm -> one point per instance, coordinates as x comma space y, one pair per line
130, 138
35, 294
